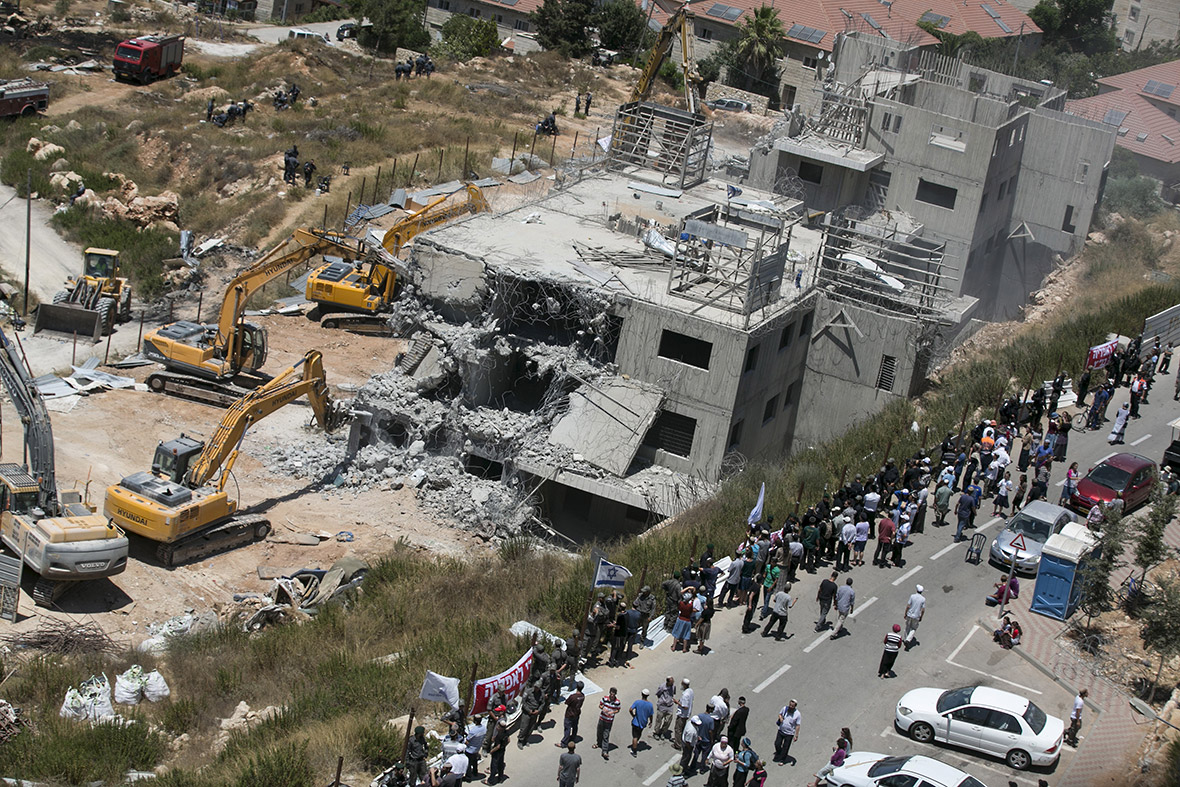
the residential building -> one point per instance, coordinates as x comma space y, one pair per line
988, 164
1142, 107
513, 25
1140, 23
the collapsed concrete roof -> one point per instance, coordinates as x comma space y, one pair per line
607, 420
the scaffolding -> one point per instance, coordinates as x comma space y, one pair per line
890, 272
664, 139
731, 258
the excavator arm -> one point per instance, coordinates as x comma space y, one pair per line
299, 248
680, 23
35, 420
305, 378
431, 216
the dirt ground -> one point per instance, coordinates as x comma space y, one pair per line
96, 447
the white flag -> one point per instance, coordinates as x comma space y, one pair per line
756, 511
610, 575
439, 688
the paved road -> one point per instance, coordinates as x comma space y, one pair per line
272, 34
835, 681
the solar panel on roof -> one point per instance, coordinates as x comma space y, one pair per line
1164, 90
804, 33
938, 20
1115, 117
990, 11
1150, 86
816, 36
718, 10
732, 14
795, 30
1003, 26
872, 22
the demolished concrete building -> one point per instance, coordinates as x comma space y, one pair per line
600, 359
987, 164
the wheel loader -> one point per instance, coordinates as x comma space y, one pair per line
91, 304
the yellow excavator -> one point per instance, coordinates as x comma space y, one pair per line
356, 294
91, 304
219, 363
680, 23
55, 533
182, 503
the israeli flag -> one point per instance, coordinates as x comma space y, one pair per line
609, 575
756, 511
732, 191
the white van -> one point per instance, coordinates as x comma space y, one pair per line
303, 32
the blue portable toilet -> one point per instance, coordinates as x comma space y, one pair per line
1059, 587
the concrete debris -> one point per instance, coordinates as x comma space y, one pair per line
241, 720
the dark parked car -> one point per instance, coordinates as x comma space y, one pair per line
1131, 474
346, 30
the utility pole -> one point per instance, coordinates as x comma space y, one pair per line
1019, 38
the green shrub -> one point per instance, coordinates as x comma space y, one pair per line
1137, 197
141, 251
78, 753
378, 745
286, 765
181, 715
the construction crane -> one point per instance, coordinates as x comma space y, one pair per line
181, 503
219, 363
356, 294
57, 535
680, 23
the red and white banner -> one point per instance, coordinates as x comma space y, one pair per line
510, 681
1099, 355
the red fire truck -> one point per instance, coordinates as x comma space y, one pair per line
148, 58
23, 97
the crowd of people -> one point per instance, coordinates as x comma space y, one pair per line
889, 508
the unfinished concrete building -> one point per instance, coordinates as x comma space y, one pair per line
987, 164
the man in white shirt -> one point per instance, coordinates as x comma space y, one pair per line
720, 758
789, 722
720, 703
683, 712
915, 608
1075, 718
871, 501
458, 763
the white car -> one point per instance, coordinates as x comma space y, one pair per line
868, 769
988, 720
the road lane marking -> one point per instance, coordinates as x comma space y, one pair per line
863, 607
778, 673
985, 526
885, 732
1141, 439
817, 642
650, 780
950, 660
906, 575
943, 551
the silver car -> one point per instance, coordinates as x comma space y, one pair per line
1036, 522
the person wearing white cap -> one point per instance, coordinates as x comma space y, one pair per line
915, 608
720, 758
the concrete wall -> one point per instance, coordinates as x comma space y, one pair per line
842, 368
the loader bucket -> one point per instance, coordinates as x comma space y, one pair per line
69, 320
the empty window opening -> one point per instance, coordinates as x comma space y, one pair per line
771, 409
735, 436
789, 95
811, 172
685, 349
784, 341
1003, 189
886, 121
672, 432
936, 194
810, 62
805, 325
887, 373
752, 358
1067, 225
790, 394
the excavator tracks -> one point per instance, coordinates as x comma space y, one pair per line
367, 324
47, 591
230, 534
195, 389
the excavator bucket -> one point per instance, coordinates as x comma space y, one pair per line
70, 320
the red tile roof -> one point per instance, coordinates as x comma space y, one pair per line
1148, 127
897, 20
1166, 74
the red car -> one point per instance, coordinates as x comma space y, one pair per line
1131, 474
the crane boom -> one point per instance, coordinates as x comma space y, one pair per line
305, 377
35, 420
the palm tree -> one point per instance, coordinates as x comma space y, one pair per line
759, 44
